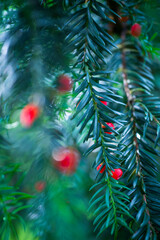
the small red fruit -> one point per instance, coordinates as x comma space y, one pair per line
29, 114
136, 30
40, 186
103, 168
110, 125
66, 160
104, 102
64, 83
117, 173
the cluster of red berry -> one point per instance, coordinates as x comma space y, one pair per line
32, 111
64, 159
116, 174
111, 125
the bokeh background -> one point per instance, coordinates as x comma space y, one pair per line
33, 55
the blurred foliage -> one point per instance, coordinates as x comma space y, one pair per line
88, 41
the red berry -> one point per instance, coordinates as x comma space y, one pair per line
103, 168
40, 186
110, 125
136, 30
66, 160
117, 173
64, 83
29, 114
104, 102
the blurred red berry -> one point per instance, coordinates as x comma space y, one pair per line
117, 173
40, 186
104, 102
29, 114
64, 83
111, 125
66, 160
103, 168
136, 30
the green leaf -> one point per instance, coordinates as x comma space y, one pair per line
95, 202
97, 192
147, 237
107, 195
21, 208
158, 135
102, 213
122, 222
140, 212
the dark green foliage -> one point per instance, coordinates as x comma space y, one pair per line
86, 38
92, 45
141, 119
140, 142
12, 200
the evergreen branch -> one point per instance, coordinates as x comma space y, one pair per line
148, 228
130, 101
92, 43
